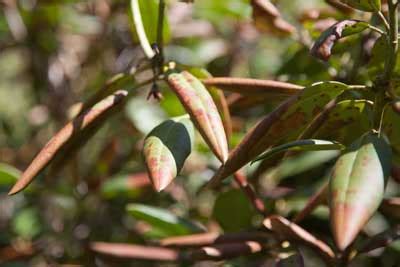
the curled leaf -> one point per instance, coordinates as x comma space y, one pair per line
357, 185
322, 47
285, 122
302, 145
202, 110
64, 141
166, 148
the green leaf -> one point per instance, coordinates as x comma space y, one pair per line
364, 5
302, 145
203, 112
26, 223
149, 13
8, 174
166, 148
163, 220
357, 185
348, 120
286, 122
233, 211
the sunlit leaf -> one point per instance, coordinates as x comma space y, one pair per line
286, 121
302, 145
357, 185
364, 5
202, 110
166, 148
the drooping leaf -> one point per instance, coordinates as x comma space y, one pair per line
166, 148
70, 138
357, 185
218, 97
233, 219
302, 145
268, 19
246, 86
322, 47
287, 230
202, 110
285, 122
364, 5
163, 220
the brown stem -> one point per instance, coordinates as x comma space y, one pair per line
255, 200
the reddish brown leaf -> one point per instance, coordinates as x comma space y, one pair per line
226, 251
66, 137
391, 207
129, 251
207, 239
202, 110
247, 86
322, 48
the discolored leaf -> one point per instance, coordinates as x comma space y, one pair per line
163, 220
129, 251
322, 47
246, 86
219, 99
206, 239
285, 122
302, 145
268, 19
364, 5
348, 120
357, 185
75, 132
166, 148
202, 110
